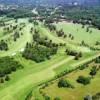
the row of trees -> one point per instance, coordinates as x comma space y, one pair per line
43, 40
60, 33
74, 53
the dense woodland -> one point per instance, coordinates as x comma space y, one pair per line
7, 66
83, 15
79, 14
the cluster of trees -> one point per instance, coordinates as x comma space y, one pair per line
93, 72
51, 27
38, 53
7, 30
3, 45
31, 20
83, 15
84, 80
60, 33
82, 67
64, 83
3, 79
8, 65
16, 36
74, 53
49, 20
43, 40
83, 43
20, 13
87, 28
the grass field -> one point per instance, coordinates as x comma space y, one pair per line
79, 92
22, 81
79, 33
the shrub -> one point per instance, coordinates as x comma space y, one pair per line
57, 98
1, 80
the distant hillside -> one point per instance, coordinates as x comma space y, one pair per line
50, 2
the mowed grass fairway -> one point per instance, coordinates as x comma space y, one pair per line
79, 33
79, 92
24, 80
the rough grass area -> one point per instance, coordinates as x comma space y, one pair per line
79, 91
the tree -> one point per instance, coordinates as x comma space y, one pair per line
16, 36
7, 78
97, 60
1, 80
87, 29
64, 83
83, 43
93, 71
83, 26
47, 97
88, 97
57, 98
83, 80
